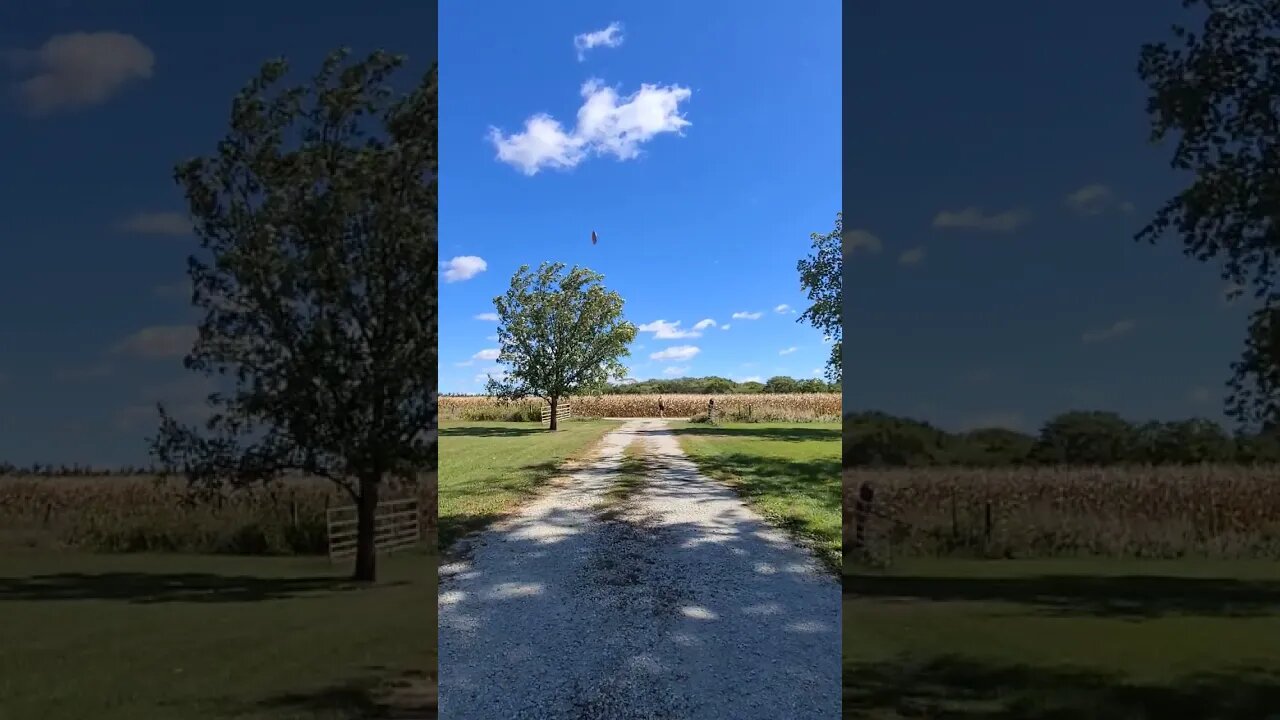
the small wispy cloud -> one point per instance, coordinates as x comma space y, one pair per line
854, 240
158, 341
676, 370
1200, 395
487, 354
1115, 330
463, 267
744, 315
1095, 199
784, 309
788, 351
678, 353
973, 218
170, 224
610, 36
911, 257
663, 330
488, 317
704, 324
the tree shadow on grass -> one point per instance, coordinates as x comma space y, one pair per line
150, 588
487, 431
758, 477
1121, 596
960, 688
764, 432
451, 528
380, 693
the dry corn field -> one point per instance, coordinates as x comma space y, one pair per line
141, 513
1222, 512
729, 407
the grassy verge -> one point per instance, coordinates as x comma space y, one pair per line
789, 472
1041, 639
486, 468
117, 637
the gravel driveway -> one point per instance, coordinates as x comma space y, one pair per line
680, 602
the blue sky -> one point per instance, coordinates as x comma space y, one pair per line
702, 146
998, 167
93, 313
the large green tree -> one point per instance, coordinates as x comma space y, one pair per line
1217, 91
317, 217
560, 333
821, 276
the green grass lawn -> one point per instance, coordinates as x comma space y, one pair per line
1034, 640
789, 472
202, 637
486, 468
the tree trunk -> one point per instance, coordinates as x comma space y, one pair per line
366, 519
555, 413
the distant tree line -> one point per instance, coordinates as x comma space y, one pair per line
712, 385
1072, 438
73, 470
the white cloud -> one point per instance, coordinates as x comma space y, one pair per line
677, 353
784, 309
817, 372
724, 326
860, 240
491, 338
463, 267
496, 371
973, 218
749, 378
1095, 199
611, 36
676, 370
788, 351
1117, 329
912, 256
487, 317
704, 324
606, 125
158, 341
744, 315
158, 223
486, 354
663, 330
81, 69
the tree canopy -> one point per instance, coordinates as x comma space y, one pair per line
821, 275
317, 217
1215, 91
560, 333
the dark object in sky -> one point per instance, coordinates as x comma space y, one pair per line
593, 237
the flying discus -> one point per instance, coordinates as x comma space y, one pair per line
593, 237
